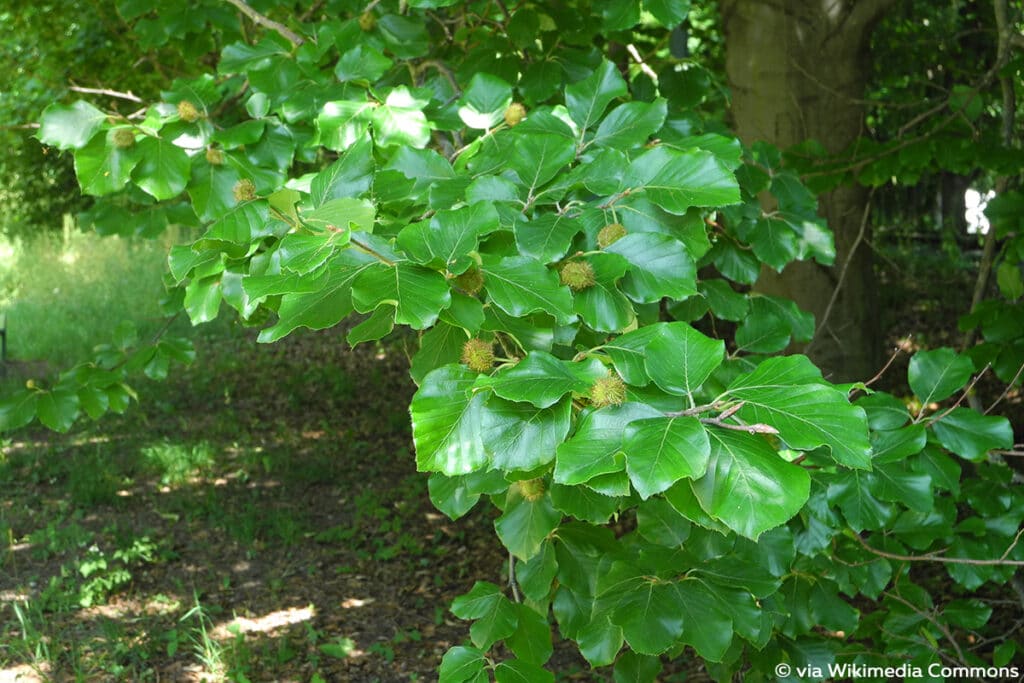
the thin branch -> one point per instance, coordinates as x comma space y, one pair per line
512, 576
130, 96
960, 400
1006, 390
935, 622
1001, 562
842, 272
291, 36
895, 353
757, 428
370, 250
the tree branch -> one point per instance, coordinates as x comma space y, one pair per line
294, 38
1001, 562
131, 97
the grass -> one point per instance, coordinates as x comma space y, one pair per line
64, 293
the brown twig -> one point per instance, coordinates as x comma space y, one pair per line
130, 96
1006, 390
291, 36
960, 400
1001, 562
895, 353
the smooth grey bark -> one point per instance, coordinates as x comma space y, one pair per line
797, 70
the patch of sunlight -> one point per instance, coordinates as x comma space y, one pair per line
266, 623
975, 203
350, 603
13, 595
23, 673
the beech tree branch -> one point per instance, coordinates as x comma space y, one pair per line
130, 96
1001, 562
291, 36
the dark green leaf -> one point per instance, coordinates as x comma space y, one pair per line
526, 523
676, 181
659, 267
971, 435
587, 99
519, 436
446, 422
661, 451
679, 358
935, 375
543, 380
629, 125
521, 285
418, 294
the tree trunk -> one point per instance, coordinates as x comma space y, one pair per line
797, 70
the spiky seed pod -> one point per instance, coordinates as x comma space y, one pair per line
610, 234
471, 282
187, 112
532, 489
214, 157
123, 138
578, 275
608, 391
367, 22
244, 190
478, 355
514, 113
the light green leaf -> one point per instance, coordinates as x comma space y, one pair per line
164, 168
748, 486
341, 124
484, 101
211, 189
446, 422
788, 394
341, 214
495, 616
418, 294
629, 125
520, 437
400, 120
659, 267
303, 253
521, 285
972, 435
537, 157
774, 242
679, 358
202, 299
935, 375
17, 409
663, 450
70, 126
349, 176
587, 99
542, 379
670, 13
526, 523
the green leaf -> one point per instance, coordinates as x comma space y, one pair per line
531, 641
631, 124
787, 393
650, 613
748, 486
542, 379
935, 375
587, 99
70, 126
164, 168
341, 214
520, 437
211, 189
536, 575
631, 667
584, 503
324, 307
484, 101
349, 176
342, 124
663, 450
202, 299
972, 435
303, 253
659, 267
518, 671
602, 306
676, 181
679, 358
418, 294
495, 616
628, 354
17, 409
526, 523
520, 285
538, 157
774, 242
660, 523
363, 62
379, 325
104, 168
400, 120
57, 409
446, 240
440, 345
853, 492
670, 13
596, 447
968, 613
446, 422
547, 237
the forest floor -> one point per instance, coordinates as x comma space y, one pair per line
256, 517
